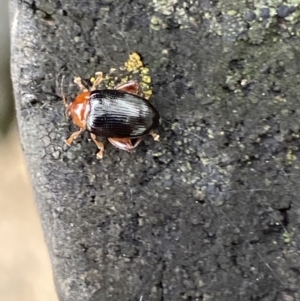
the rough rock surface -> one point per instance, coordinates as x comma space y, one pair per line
211, 212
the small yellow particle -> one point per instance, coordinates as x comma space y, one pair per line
144, 86
232, 12
145, 70
124, 80
134, 62
147, 94
146, 79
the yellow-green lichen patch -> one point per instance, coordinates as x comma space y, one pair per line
134, 63
133, 69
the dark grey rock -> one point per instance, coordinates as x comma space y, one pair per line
249, 16
284, 10
211, 211
264, 12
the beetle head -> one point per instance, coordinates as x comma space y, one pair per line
79, 109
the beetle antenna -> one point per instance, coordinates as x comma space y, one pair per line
62, 92
64, 98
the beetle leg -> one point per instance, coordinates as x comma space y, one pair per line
99, 145
78, 82
132, 87
155, 136
127, 144
73, 137
97, 81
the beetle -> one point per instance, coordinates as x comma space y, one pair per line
122, 114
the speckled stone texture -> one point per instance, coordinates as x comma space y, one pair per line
212, 212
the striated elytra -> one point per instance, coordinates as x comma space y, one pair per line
117, 114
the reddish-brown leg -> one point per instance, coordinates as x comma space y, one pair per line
127, 144
73, 137
99, 145
155, 136
132, 87
97, 81
78, 82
